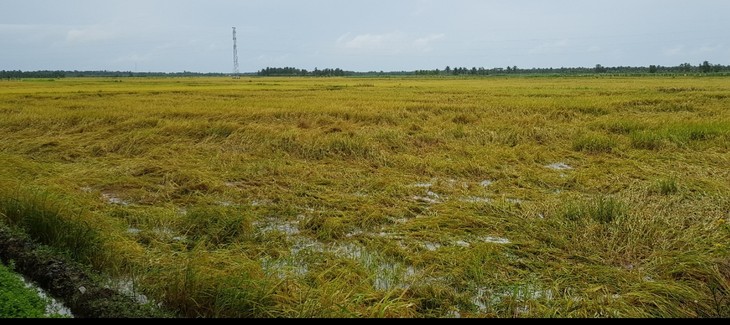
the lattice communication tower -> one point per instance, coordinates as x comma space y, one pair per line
235, 56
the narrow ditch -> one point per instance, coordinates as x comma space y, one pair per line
69, 282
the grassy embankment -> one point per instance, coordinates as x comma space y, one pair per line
527, 197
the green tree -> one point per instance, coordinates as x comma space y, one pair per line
705, 67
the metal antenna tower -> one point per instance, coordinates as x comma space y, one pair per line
235, 55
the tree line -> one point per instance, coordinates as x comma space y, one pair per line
684, 68
704, 67
289, 71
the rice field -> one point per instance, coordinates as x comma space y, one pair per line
382, 197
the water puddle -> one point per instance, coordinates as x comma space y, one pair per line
284, 267
486, 183
127, 287
454, 313
288, 227
304, 244
393, 275
432, 247
559, 166
400, 221
485, 298
260, 203
386, 274
514, 201
496, 240
54, 307
354, 233
451, 183
430, 198
462, 243
111, 198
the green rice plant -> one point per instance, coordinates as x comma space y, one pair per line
601, 209
593, 110
675, 107
220, 130
348, 146
606, 209
44, 217
647, 140
622, 126
573, 211
217, 225
433, 299
464, 119
666, 186
193, 287
594, 143
325, 226
685, 133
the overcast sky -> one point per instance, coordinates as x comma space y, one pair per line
361, 35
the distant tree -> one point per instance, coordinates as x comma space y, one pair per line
447, 70
599, 69
652, 69
705, 67
685, 67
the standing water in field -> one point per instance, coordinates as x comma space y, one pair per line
53, 307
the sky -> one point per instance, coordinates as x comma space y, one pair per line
359, 35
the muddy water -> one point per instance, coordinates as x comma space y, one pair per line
54, 307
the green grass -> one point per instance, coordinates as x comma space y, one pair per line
398, 197
19, 301
666, 186
594, 144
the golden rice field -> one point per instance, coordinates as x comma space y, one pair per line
390, 197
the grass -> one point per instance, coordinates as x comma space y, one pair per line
19, 301
395, 197
666, 186
593, 144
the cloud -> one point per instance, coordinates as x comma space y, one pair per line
706, 49
89, 34
550, 47
371, 41
392, 43
674, 51
424, 43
